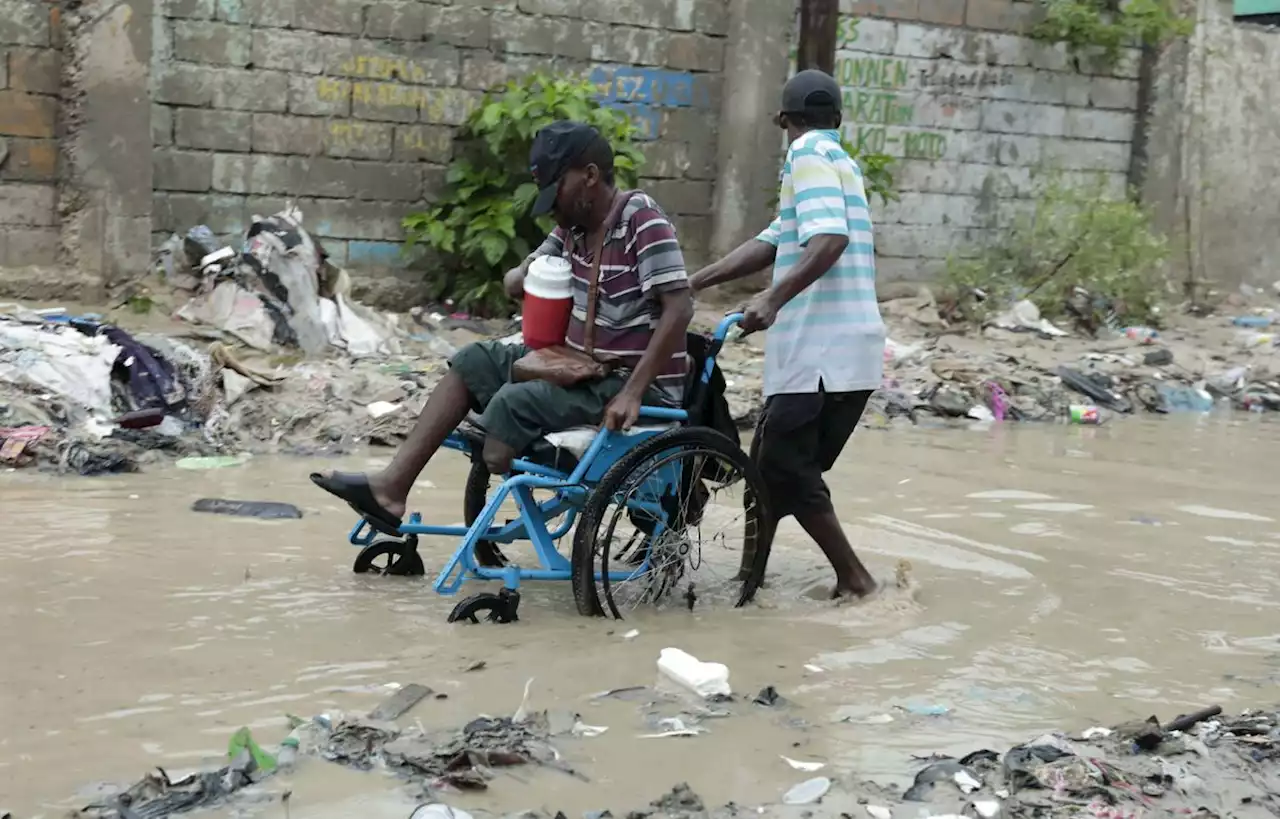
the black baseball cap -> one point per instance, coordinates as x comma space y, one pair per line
557, 147
811, 92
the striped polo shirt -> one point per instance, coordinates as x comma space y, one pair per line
830, 336
640, 260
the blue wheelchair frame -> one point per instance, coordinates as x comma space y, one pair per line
571, 493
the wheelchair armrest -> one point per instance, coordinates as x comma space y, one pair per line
663, 414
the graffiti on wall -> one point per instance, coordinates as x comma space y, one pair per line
644, 92
883, 97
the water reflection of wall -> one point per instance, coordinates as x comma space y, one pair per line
971, 115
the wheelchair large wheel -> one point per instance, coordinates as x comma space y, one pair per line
474, 497
661, 525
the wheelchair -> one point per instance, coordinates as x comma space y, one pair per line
661, 479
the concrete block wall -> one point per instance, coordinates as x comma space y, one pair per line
30, 81
350, 106
972, 107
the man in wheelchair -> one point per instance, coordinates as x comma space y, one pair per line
642, 314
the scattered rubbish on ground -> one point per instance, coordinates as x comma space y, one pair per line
807, 792
266, 510
804, 766
212, 462
400, 702
703, 679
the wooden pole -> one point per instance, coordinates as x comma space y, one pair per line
819, 24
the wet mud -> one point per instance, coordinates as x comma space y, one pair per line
1060, 578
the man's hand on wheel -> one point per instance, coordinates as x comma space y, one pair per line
623, 411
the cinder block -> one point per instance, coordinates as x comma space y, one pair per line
387, 181
30, 246
434, 182
179, 212
1086, 155
250, 173
319, 96
251, 90
330, 16
680, 197
28, 205
161, 125
891, 9
1001, 15
352, 219
643, 13
386, 101
31, 160
666, 159
280, 134
353, 139
38, 70
203, 129
519, 34
481, 71
271, 13
459, 25
1019, 150
303, 52
423, 143
552, 8
174, 170
1023, 118
1110, 92
395, 19
184, 84
1112, 126
942, 12
411, 63
188, 9
711, 17
231, 11
448, 106
485, 5
200, 41
24, 22
27, 115
629, 45
695, 52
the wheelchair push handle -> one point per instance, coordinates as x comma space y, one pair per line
722, 332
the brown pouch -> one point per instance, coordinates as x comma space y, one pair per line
561, 364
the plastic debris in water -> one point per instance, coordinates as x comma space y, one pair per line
966, 782
438, 811
212, 461
987, 809
807, 792
1096, 733
581, 729
878, 812
804, 766
927, 710
631, 635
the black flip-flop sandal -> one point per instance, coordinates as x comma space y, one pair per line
354, 489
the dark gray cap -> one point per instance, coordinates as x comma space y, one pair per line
811, 91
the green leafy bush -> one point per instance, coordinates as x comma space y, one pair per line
1076, 236
482, 226
877, 172
1109, 25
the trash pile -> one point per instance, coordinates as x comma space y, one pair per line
80, 394
1202, 763
1018, 366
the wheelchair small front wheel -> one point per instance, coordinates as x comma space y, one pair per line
397, 558
663, 522
503, 607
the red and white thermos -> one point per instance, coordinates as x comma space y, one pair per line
548, 302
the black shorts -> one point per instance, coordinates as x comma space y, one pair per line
799, 437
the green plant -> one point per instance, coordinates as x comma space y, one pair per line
482, 226
877, 172
1075, 236
1109, 25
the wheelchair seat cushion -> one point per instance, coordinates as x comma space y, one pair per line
552, 448
578, 439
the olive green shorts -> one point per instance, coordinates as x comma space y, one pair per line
517, 414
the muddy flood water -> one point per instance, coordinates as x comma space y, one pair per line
1060, 577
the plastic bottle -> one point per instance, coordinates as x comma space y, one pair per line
704, 679
287, 756
1143, 335
548, 301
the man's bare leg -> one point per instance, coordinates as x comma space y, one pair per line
445, 409
852, 578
